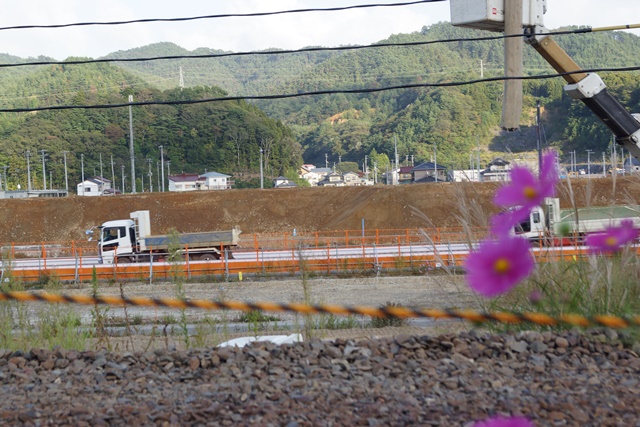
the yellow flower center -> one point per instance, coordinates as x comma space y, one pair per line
530, 192
502, 265
611, 241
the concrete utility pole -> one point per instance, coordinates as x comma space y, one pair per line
158, 172
131, 149
326, 159
604, 165
261, 171
435, 162
113, 175
6, 188
44, 171
162, 165
150, 175
538, 138
101, 172
513, 47
122, 179
589, 162
82, 171
66, 175
168, 169
396, 176
28, 154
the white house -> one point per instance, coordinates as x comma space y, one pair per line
351, 179
215, 181
283, 182
184, 182
93, 186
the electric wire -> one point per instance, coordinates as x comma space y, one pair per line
289, 51
225, 15
320, 92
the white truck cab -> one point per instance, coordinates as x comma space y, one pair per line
116, 237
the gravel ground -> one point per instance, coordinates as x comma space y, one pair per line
449, 380
369, 377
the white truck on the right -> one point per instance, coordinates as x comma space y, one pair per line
550, 225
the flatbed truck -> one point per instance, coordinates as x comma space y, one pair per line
130, 240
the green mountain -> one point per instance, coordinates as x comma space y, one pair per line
226, 136
451, 120
223, 136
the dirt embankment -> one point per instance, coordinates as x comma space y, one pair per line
282, 210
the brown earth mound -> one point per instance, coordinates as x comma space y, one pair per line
282, 210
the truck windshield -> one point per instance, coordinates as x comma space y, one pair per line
112, 233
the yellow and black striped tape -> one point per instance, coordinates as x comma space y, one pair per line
541, 319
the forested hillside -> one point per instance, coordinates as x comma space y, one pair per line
223, 136
227, 136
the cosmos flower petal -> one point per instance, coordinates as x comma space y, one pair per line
481, 265
613, 239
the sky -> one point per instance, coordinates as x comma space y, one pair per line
292, 31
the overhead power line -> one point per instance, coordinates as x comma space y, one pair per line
321, 92
226, 15
293, 51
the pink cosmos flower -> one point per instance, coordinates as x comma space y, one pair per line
504, 222
505, 422
499, 265
613, 238
527, 190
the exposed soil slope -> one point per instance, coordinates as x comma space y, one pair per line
280, 210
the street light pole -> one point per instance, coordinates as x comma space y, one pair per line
589, 162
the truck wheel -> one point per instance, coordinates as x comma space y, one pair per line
124, 260
207, 257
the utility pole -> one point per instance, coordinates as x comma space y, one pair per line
142, 182
478, 156
5, 177
123, 179
513, 47
604, 165
158, 172
365, 168
66, 175
162, 165
44, 171
168, 169
395, 158
113, 175
101, 172
150, 174
28, 171
261, 171
538, 141
82, 171
131, 149
435, 162
326, 159
589, 162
